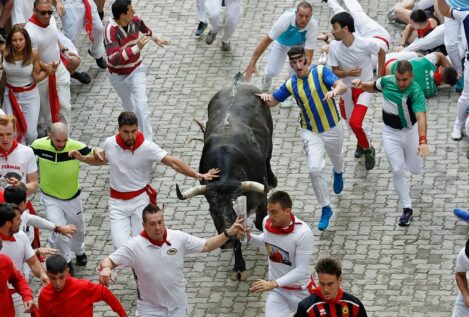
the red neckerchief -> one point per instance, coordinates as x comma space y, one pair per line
423, 32
437, 76
277, 230
138, 141
6, 153
36, 21
154, 242
7, 238
316, 290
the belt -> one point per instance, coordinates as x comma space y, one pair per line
382, 39
386, 64
151, 192
29, 87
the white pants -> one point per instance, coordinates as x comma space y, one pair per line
63, 212
463, 101
126, 218
63, 92
460, 309
19, 306
147, 310
316, 146
467, 125
74, 21
400, 148
454, 42
281, 302
201, 10
234, 12
434, 39
276, 60
401, 56
30, 104
132, 90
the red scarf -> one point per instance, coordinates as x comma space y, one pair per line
437, 76
35, 20
277, 230
7, 238
6, 153
138, 141
154, 242
316, 290
423, 32
88, 20
17, 112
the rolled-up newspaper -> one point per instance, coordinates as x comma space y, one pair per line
240, 208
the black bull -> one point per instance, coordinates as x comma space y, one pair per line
238, 141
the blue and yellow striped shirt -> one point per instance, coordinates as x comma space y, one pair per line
317, 115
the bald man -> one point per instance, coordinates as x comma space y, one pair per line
59, 163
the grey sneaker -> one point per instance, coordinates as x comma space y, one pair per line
200, 29
210, 37
359, 152
406, 217
266, 84
456, 135
225, 46
370, 158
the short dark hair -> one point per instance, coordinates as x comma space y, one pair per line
37, 2
56, 264
403, 67
328, 266
282, 198
296, 50
304, 4
120, 7
150, 209
127, 118
449, 75
344, 19
15, 195
7, 213
418, 16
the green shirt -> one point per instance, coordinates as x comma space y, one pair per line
59, 173
400, 106
424, 70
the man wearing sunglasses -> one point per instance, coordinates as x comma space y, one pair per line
314, 89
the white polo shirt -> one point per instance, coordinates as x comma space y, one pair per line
131, 171
18, 164
19, 251
159, 270
45, 40
357, 55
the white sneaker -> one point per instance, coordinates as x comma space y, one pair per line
456, 134
287, 103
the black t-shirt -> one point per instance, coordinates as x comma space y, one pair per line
315, 306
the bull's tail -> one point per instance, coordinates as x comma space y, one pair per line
200, 124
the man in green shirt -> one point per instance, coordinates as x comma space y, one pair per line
60, 191
405, 128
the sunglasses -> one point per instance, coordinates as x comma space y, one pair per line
45, 12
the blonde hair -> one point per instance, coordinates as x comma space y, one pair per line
8, 118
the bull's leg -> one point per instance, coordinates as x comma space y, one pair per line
271, 178
239, 270
261, 212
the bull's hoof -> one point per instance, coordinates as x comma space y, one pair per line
239, 276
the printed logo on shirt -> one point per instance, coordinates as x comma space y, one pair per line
322, 312
172, 251
277, 254
345, 310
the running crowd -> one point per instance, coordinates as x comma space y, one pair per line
358, 59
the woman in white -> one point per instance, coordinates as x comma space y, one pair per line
22, 69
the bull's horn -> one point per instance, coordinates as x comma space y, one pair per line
196, 190
252, 186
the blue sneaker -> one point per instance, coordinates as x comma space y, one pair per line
338, 183
326, 216
461, 214
459, 84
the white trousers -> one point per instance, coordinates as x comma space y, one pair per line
460, 309
19, 306
467, 125
281, 302
201, 10
276, 60
434, 39
316, 146
73, 23
400, 148
63, 92
63, 212
147, 310
463, 101
234, 12
132, 90
30, 105
126, 218
454, 42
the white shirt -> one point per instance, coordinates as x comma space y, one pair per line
289, 18
357, 55
131, 171
19, 251
22, 11
159, 270
19, 163
288, 254
28, 222
462, 266
45, 40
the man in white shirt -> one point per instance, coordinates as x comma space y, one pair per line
294, 28
234, 12
289, 244
461, 306
156, 256
130, 157
350, 58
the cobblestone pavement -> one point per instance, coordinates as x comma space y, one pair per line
395, 271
